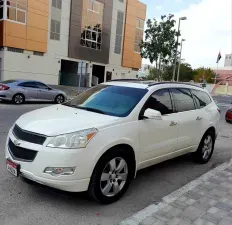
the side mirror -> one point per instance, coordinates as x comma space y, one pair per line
152, 114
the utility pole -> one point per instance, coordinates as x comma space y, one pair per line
178, 72
177, 42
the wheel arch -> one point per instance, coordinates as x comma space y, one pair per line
127, 148
213, 130
19, 93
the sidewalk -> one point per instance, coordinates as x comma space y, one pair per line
204, 201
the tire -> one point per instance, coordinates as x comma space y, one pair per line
59, 99
206, 148
109, 179
18, 99
228, 121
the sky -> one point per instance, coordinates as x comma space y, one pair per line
207, 29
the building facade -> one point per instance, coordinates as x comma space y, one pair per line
60, 41
228, 60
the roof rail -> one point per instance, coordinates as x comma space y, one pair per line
170, 82
126, 80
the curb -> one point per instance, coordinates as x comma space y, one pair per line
153, 208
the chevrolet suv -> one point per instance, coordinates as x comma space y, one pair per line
100, 139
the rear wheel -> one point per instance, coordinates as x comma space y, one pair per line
111, 177
228, 121
59, 99
206, 147
18, 99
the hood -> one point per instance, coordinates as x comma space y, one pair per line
60, 119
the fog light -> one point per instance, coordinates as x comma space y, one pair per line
60, 170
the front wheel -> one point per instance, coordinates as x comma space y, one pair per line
59, 99
111, 177
206, 147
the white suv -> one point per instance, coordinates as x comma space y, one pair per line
100, 139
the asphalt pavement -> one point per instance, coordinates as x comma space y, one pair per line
24, 203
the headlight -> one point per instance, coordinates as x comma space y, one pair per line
74, 140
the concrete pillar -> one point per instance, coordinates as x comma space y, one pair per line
226, 87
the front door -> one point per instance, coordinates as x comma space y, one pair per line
45, 93
158, 137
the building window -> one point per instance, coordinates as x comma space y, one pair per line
92, 18
17, 50
119, 29
17, 10
139, 34
55, 30
1, 9
57, 4
38, 53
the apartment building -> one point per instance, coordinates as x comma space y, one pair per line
228, 60
59, 41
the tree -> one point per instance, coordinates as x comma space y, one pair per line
186, 72
202, 73
153, 74
160, 41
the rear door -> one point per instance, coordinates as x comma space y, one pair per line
204, 112
29, 89
44, 92
185, 111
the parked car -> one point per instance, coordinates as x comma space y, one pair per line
19, 91
229, 115
100, 139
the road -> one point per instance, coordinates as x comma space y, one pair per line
32, 204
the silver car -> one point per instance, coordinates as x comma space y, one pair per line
19, 91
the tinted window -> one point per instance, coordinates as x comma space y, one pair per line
202, 99
42, 86
160, 101
183, 99
110, 100
28, 84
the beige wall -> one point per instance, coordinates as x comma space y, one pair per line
134, 10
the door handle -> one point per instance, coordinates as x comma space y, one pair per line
198, 118
173, 123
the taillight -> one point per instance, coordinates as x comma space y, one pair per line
4, 87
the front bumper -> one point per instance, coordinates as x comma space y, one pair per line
49, 157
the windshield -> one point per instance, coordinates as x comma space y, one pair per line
110, 100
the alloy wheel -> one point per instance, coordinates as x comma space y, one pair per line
18, 99
60, 99
114, 177
207, 147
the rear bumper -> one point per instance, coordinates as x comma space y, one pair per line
6, 95
228, 116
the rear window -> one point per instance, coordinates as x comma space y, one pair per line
7, 81
202, 99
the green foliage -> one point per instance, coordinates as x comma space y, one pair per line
186, 72
160, 43
153, 74
204, 73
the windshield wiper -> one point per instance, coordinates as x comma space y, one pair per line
90, 109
